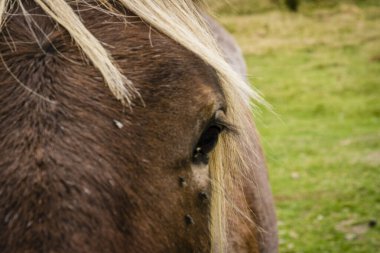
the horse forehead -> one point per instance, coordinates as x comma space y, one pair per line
160, 67
157, 65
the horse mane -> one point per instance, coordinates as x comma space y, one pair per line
181, 20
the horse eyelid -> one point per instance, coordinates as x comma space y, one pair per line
226, 126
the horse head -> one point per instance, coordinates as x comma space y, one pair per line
161, 160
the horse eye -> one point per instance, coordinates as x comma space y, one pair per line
206, 143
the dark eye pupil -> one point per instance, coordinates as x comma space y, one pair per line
207, 142
209, 139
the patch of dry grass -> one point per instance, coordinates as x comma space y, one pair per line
345, 25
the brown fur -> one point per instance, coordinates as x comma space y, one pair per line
71, 180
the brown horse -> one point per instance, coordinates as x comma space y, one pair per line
165, 160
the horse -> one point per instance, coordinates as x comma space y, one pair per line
124, 129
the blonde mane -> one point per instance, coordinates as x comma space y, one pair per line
180, 20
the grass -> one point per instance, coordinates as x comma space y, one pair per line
248, 7
320, 69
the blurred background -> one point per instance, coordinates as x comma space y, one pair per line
317, 62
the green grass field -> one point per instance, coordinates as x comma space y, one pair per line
320, 70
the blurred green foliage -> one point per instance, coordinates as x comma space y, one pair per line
292, 5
